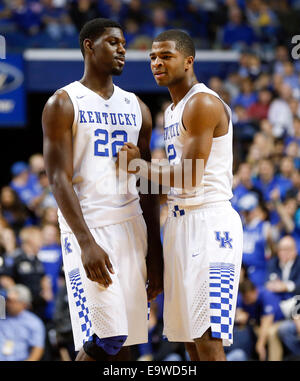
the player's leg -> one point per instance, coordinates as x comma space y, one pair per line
98, 314
83, 356
209, 348
192, 351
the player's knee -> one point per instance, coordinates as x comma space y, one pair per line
97, 347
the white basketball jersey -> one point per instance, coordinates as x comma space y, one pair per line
217, 179
100, 128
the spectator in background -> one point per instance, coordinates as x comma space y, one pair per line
132, 31
289, 75
237, 34
56, 21
9, 243
13, 210
281, 56
295, 105
22, 334
231, 84
289, 334
36, 165
28, 270
49, 216
112, 9
159, 23
257, 238
284, 270
284, 283
259, 109
247, 96
263, 20
26, 17
50, 256
157, 137
135, 12
242, 184
296, 136
280, 115
263, 310
22, 185
6, 266
46, 198
267, 181
82, 11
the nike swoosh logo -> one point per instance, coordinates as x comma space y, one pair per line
80, 97
195, 255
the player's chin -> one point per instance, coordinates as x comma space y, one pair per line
117, 71
161, 81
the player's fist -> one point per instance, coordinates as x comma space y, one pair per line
127, 153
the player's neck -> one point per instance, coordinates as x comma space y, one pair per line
102, 85
180, 89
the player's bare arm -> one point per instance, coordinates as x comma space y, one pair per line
57, 120
204, 118
150, 207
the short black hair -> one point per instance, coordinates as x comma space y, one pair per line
246, 286
184, 43
94, 29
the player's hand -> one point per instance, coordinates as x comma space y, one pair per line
97, 264
132, 152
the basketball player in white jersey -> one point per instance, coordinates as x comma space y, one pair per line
203, 233
103, 232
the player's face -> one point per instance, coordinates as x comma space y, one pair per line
109, 50
168, 65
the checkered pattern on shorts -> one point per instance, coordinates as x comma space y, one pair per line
80, 300
221, 279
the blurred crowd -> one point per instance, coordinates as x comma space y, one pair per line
264, 96
213, 24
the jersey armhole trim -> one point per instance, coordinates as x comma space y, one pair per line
76, 112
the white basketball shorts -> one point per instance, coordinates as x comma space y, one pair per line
202, 261
120, 309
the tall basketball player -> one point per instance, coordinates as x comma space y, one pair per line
103, 232
203, 233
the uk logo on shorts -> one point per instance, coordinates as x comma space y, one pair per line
67, 246
224, 241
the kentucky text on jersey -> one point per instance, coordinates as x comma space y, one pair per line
171, 131
108, 118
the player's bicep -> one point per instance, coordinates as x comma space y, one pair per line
200, 118
57, 120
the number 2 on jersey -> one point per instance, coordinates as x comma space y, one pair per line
99, 145
171, 152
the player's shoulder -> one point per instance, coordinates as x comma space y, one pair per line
202, 98
59, 99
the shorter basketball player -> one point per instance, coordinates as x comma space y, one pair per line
103, 232
203, 233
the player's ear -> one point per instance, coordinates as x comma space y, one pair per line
88, 45
188, 62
